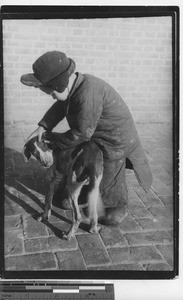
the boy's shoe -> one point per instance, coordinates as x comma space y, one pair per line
114, 215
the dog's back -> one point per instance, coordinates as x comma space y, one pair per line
88, 163
86, 160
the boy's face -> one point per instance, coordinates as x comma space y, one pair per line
55, 95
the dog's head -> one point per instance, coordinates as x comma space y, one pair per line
39, 150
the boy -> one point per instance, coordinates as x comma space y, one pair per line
94, 110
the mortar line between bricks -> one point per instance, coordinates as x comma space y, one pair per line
139, 198
118, 245
104, 247
147, 230
148, 209
53, 251
82, 255
23, 238
101, 265
33, 253
123, 233
142, 229
126, 263
162, 194
56, 260
14, 215
128, 246
23, 221
157, 197
162, 257
152, 244
143, 267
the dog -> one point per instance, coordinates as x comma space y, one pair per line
82, 165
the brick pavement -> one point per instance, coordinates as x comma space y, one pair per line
143, 241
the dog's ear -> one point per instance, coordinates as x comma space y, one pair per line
26, 154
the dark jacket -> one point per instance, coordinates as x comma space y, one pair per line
96, 111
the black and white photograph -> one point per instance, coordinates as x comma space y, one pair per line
90, 107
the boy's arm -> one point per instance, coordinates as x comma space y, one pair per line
53, 116
85, 123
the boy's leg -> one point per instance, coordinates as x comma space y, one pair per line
114, 191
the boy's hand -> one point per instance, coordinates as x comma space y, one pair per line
38, 132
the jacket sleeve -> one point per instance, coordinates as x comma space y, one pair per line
88, 112
53, 116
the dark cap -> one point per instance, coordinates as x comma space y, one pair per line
52, 69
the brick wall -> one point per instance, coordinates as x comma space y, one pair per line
134, 55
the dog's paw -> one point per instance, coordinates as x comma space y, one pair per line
66, 236
42, 218
95, 229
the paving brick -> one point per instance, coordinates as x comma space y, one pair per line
161, 223
33, 228
112, 236
129, 224
121, 267
149, 238
167, 253
149, 199
167, 200
52, 243
12, 223
164, 177
166, 211
70, 260
41, 261
11, 206
134, 199
157, 267
134, 254
119, 254
171, 232
161, 189
139, 211
58, 228
160, 173
92, 249
13, 242
16, 206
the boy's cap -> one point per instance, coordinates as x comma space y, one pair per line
52, 69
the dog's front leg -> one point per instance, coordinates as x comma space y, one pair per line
48, 202
52, 182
